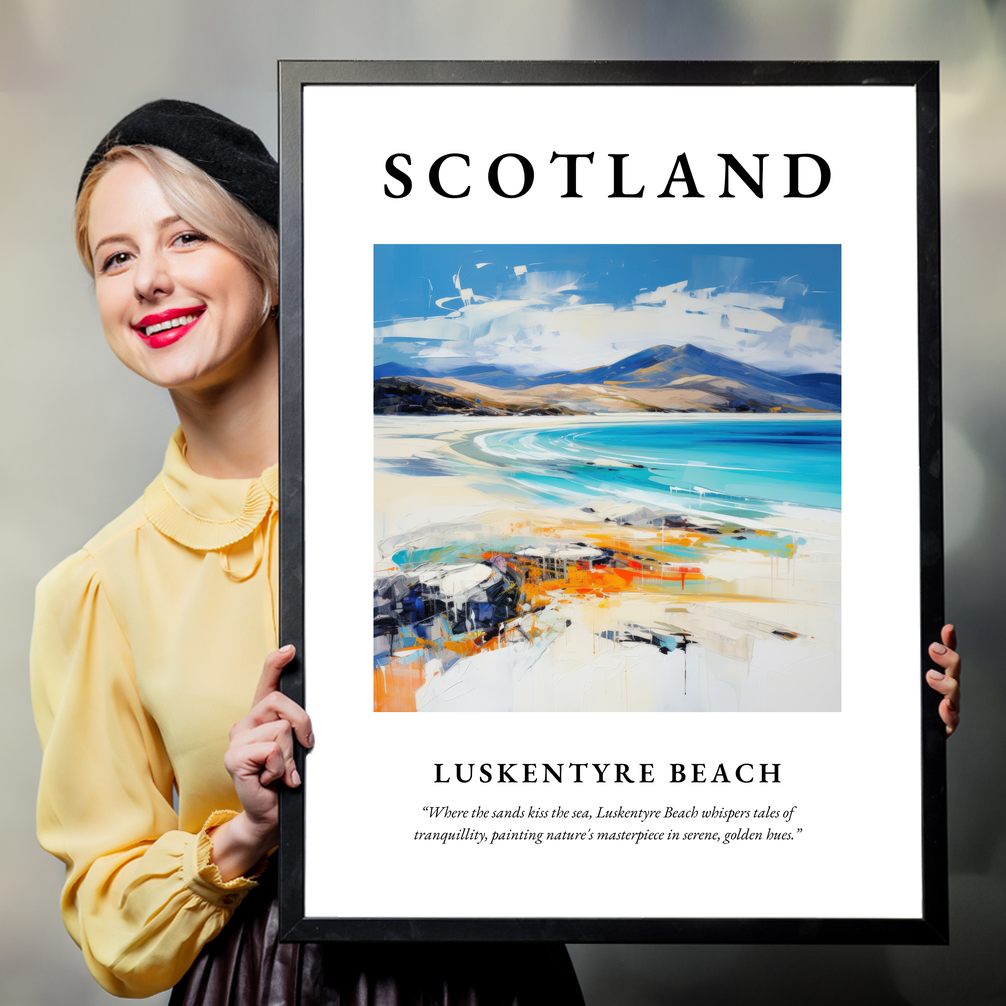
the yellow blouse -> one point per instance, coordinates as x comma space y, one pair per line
147, 647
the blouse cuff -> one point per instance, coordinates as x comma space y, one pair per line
202, 876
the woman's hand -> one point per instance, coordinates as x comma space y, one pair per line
947, 682
260, 753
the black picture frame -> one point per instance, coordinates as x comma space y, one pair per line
932, 925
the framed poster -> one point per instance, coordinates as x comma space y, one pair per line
610, 400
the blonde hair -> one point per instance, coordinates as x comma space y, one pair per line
199, 200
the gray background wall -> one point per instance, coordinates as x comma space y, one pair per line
82, 436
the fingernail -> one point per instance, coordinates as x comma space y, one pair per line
310, 740
938, 648
295, 777
287, 649
936, 676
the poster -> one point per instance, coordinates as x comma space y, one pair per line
610, 427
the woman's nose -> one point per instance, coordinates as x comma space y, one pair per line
152, 277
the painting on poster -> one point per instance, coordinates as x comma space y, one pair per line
636, 456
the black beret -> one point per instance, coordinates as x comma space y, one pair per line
231, 154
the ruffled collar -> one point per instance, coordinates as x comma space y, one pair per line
203, 513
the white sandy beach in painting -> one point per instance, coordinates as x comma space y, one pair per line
633, 595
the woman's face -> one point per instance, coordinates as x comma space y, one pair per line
177, 308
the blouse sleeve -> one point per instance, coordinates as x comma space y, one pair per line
141, 898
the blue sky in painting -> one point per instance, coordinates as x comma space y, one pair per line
535, 309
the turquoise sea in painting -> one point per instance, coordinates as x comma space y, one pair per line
740, 467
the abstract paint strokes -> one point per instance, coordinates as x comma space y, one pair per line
561, 330
626, 559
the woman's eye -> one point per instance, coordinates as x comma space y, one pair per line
190, 238
114, 261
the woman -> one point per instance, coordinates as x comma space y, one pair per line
148, 643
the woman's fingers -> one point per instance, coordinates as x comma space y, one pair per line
277, 706
948, 659
271, 671
277, 735
949, 710
261, 761
270, 703
947, 680
261, 749
274, 766
950, 716
945, 655
949, 636
949, 688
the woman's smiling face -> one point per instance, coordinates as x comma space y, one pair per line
177, 308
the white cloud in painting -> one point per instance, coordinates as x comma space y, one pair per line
547, 327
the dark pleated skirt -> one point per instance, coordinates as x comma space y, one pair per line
246, 965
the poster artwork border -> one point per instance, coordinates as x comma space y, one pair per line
933, 926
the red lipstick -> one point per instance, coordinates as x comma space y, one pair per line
166, 327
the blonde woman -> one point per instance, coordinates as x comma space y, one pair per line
164, 733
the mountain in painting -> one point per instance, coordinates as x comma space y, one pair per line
827, 387
661, 365
660, 379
